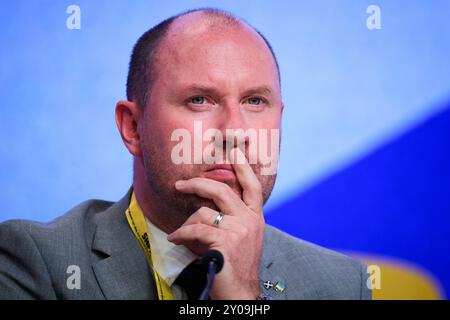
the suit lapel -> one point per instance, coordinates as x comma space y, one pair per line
120, 266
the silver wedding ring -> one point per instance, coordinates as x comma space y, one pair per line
218, 219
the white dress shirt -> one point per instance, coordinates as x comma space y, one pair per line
169, 259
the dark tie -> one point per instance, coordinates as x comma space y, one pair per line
192, 279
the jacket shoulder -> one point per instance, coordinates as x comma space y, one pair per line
319, 272
75, 225
32, 253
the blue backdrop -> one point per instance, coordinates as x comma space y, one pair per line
365, 154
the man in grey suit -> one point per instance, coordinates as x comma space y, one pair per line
203, 67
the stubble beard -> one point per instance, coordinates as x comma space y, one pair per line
173, 207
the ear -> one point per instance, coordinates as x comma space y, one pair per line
127, 117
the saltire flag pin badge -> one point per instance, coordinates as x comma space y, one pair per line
268, 284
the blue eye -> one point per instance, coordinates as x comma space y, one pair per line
255, 100
198, 100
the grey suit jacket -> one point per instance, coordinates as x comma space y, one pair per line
93, 240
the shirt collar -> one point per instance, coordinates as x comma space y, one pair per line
169, 259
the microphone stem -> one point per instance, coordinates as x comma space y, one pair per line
210, 281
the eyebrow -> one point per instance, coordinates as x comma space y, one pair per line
202, 89
257, 90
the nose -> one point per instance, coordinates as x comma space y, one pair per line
231, 117
234, 128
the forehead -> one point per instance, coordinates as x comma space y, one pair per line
210, 51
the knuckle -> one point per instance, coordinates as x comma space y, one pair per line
202, 212
227, 191
245, 231
198, 234
195, 182
257, 186
205, 215
195, 229
234, 237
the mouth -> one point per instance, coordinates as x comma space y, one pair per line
220, 172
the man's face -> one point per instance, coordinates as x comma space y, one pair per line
221, 79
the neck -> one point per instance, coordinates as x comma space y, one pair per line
151, 205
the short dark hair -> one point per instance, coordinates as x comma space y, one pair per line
141, 69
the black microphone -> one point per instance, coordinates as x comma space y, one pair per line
213, 262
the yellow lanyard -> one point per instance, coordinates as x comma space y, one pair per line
138, 224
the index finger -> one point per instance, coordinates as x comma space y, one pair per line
252, 191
